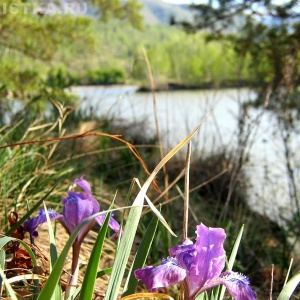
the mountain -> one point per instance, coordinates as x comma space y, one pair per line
154, 11
159, 12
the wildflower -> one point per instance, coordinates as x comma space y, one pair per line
32, 224
199, 266
76, 208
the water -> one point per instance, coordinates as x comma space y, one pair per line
180, 112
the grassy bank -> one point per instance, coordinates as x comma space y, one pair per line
48, 153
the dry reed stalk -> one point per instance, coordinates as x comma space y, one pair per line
158, 131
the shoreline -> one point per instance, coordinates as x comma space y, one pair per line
171, 86
175, 86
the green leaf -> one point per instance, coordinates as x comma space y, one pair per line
123, 252
132, 224
87, 288
53, 250
289, 288
140, 257
101, 273
54, 277
232, 258
106, 271
235, 249
6, 239
202, 296
2, 266
8, 287
53, 254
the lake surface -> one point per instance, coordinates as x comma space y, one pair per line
180, 112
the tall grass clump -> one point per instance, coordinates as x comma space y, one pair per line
27, 167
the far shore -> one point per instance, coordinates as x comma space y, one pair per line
166, 87
103, 87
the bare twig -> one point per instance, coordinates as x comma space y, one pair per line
186, 193
271, 282
83, 135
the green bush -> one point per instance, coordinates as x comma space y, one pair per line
99, 76
60, 78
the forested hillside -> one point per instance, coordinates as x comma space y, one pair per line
175, 56
110, 52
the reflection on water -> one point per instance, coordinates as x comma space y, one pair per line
179, 112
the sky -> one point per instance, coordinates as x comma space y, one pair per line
199, 1
181, 1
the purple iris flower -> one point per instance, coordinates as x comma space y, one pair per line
32, 224
76, 208
199, 266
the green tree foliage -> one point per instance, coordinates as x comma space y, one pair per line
175, 56
265, 38
267, 31
36, 38
29, 41
98, 76
122, 10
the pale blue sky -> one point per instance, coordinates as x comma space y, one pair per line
181, 1
203, 1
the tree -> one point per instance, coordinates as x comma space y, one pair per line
31, 35
268, 33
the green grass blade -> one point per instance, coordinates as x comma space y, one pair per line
2, 266
31, 211
157, 212
123, 253
75, 294
54, 277
53, 250
6, 239
53, 254
235, 249
232, 258
132, 224
140, 257
99, 274
289, 288
106, 271
87, 288
9, 289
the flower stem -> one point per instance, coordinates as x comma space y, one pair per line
73, 278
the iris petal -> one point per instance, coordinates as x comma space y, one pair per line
187, 245
84, 185
238, 286
113, 224
168, 273
88, 194
78, 207
76, 210
32, 224
199, 265
210, 257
